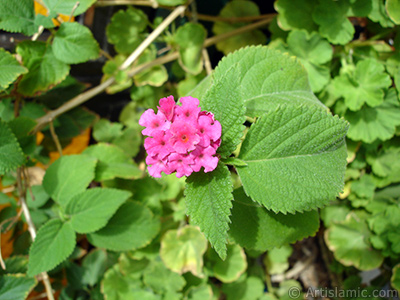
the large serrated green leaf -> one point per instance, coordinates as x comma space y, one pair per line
74, 43
65, 7
54, 242
18, 16
10, 69
68, 176
45, 70
91, 210
208, 202
11, 155
16, 287
267, 79
133, 226
224, 101
249, 219
296, 159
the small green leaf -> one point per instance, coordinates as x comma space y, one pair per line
91, 210
395, 279
248, 217
125, 30
162, 280
296, 14
45, 70
232, 267
251, 288
208, 202
238, 8
379, 14
112, 162
15, 264
233, 161
182, 250
18, 16
68, 176
74, 43
296, 159
40, 196
171, 2
154, 76
10, 69
54, 242
190, 38
22, 127
106, 131
366, 85
277, 260
132, 226
16, 287
331, 16
393, 10
65, 7
11, 155
94, 265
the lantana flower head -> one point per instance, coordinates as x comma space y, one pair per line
181, 138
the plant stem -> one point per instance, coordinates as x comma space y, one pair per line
32, 229
85, 96
207, 62
55, 138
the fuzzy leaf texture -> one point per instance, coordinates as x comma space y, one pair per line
296, 159
10, 69
18, 16
208, 202
11, 155
54, 242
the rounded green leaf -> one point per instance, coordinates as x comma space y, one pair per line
10, 69
296, 159
54, 242
393, 10
89, 211
133, 226
395, 279
68, 176
349, 242
232, 267
182, 250
161, 279
296, 14
251, 288
248, 217
74, 43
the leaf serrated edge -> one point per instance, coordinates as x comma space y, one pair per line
14, 139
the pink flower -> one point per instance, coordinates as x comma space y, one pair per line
153, 122
167, 107
184, 136
182, 139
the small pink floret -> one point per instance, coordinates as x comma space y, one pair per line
182, 138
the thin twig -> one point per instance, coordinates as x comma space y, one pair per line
85, 96
207, 62
55, 138
38, 33
73, 11
152, 36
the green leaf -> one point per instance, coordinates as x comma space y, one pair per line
171, 2
45, 70
15, 264
232, 267
233, 161
250, 288
22, 127
40, 197
379, 14
91, 209
296, 159
334, 214
54, 242
10, 69
132, 226
113, 162
224, 101
182, 250
296, 14
386, 165
208, 202
267, 79
331, 16
18, 16
349, 242
130, 141
106, 131
238, 8
68, 176
74, 43
162, 280
366, 85
65, 7
395, 279
125, 30
277, 260
154, 76
370, 124
16, 287
360, 8
248, 217
364, 187
11, 155
190, 38
393, 10
94, 265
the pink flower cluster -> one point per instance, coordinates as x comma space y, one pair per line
182, 139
